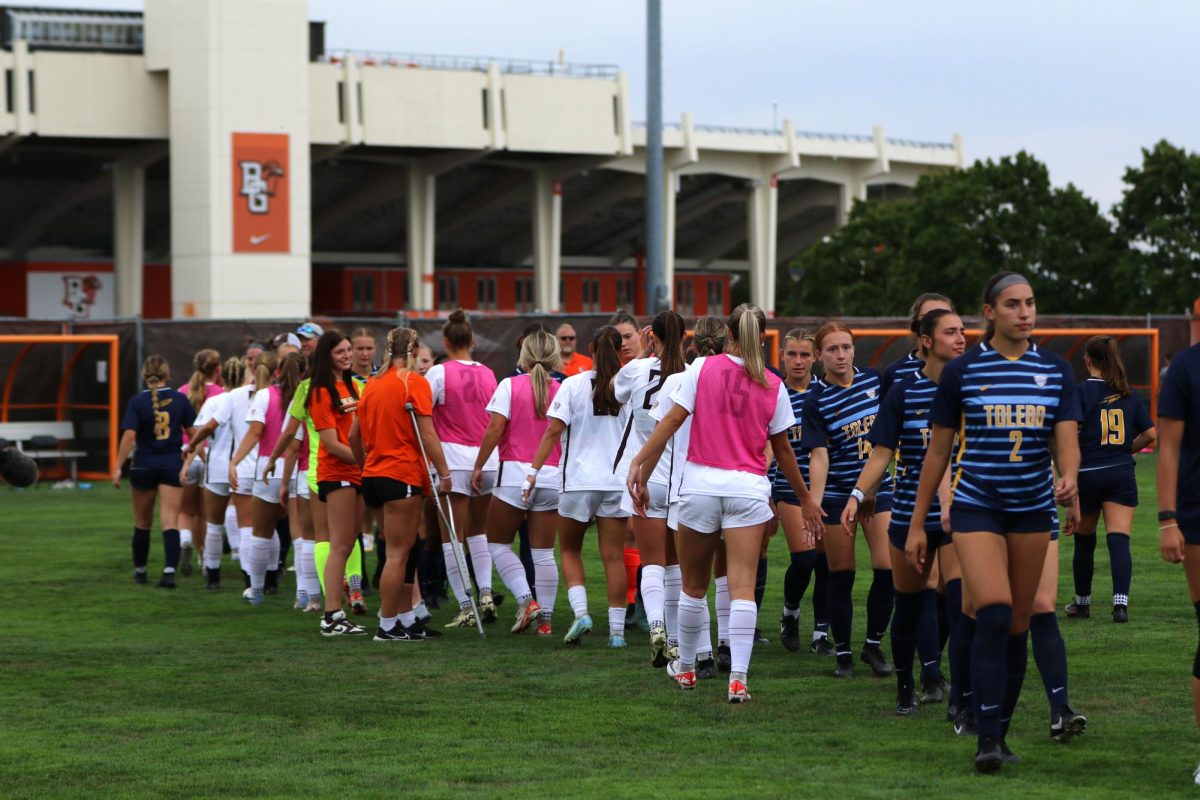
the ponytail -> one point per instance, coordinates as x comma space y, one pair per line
155, 368
710, 336
233, 372
402, 346
606, 355
1105, 356
457, 330
539, 357
264, 370
205, 363
668, 329
290, 370
747, 323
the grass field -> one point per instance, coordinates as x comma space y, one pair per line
108, 689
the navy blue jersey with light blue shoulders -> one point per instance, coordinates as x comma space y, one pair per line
159, 421
780, 488
839, 418
1180, 399
1110, 424
903, 427
898, 370
1005, 412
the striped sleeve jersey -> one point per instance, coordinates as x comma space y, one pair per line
1005, 412
780, 488
1111, 422
839, 418
898, 370
903, 427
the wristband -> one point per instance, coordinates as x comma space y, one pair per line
857, 494
1165, 516
531, 473
1162, 528
443, 477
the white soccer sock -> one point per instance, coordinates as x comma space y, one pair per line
308, 556
273, 552
577, 597
185, 537
301, 571
387, 623
691, 628
231, 523
407, 618
723, 610
256, 556
247, 533
616, 621
545, 578
704, 648
653, 594
213, 539
511, 572
743, 616
454, 576
672, 585
481, 560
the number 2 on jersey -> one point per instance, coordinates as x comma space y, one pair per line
655, 385
1016, 437
1112, 426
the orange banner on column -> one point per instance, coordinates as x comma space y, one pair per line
260, 193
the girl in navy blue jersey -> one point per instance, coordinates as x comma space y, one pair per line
1115, 425
838, 414
911, 361
155, 420
902, 428
1012, 405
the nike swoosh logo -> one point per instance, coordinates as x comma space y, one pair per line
985, 387
988, 708
255, 240
921, 411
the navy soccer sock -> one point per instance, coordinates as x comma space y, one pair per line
962, 660
1017, 657
797, 577
841, 608
1122, 567
1083, 564
171, 549
953, 607
879, 605
989, 667
927, 634
905, 626
820, 596
760, 582
141, 548
1050, 655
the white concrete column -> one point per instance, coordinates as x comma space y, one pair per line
670, 182
547, 241
855, 188
22, 67
762, 216
422, 227
129, 232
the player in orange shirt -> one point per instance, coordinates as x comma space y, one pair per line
573, 362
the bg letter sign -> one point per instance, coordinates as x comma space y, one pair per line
260, 193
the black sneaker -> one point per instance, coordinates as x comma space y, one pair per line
706, 668
933, 690
1067, 724
789, 633
212, 577
845, 667
1120, 614
167, 581
989, 757
139, 577
398, 633
821, 646
1009, 756
964, 723
724, 659
419, 631
872, 655
1078, 611
272, 584
340, 626
759, 638
906, 702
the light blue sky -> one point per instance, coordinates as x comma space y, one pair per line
1082, 85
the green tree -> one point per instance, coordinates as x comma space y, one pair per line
1159, 218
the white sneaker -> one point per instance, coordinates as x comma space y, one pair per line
1196, 775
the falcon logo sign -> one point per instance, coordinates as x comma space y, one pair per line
79, 294
260, 193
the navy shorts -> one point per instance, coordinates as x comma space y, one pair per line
969, 519
1113, 485
1190, 530
834, 506
377, 490
898, 536
155, 472
326, 488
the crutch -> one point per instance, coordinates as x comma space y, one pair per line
447, 515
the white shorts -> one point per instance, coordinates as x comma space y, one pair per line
219, 489
658, 502
268, 491
706, 513
460, 482
300, 485
195, 473
584, 505
542, 499
673, 516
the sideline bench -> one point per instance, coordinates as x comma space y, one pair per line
44, 441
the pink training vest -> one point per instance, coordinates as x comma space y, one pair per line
729, 425
274, 423
461, 418
525, 428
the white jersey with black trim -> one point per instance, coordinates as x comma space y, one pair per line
675, 453
220, 444
636, 387
239, 406
590, 440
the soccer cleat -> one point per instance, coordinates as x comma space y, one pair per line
186, 554
1067, 724
544, 629
672, 652
906, 702
398, 633
526, 614
338, 625
789, 633
357, 606
724, 659
464, 619
1009, 756
705, 668
301, 602
658, 647
933, 690
684, 680
487, 607
738, 693
246, 593
872, 655
1078, 611
167, 581
312, 605
578, 628
845, 666
139, 577
989, 757
1120, 614
419, 630
951, 711
964, 723
616, 641
255, 599
821, 646
212, 576
1196, 776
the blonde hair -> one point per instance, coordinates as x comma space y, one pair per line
800, 335
264, 370
205, 363
710, 336
747, 323
402, 343
539, 357
155, 368
233, 372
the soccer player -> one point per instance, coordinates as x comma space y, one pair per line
837, 418
384, 436
902, 429
518, 420
204, 383
573, 361
910, 362
632, 345
584, 423
155, 420
636, 387
461, 388
1012, 405
1115, 425
737, 407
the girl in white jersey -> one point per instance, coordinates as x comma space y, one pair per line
584, 418
637, 385
736, 406
461, 388
518, 420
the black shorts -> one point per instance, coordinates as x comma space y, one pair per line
970, 519
326, 488
377, 491
1190, 530
1113, 485
898, 536
836, 504
154, 472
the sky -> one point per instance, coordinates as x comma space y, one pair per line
1081, 85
